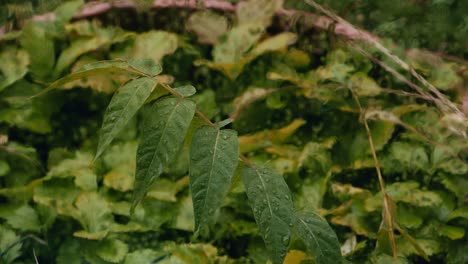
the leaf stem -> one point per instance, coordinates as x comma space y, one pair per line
245, 160
197, 112
387, 214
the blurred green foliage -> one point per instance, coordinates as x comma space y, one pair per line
293, 109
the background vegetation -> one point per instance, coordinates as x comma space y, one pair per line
300, 96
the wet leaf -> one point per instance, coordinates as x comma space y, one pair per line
186, 91
146, 65
213, 158
162, 138
123, 106
271, 203
319, 237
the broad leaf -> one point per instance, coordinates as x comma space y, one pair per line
7, 239
65, 11
142, 256
23, 218
40, 48
76, 49
257, 11
208, 26
236, 43
364, 85
213, 159
186, 90
162, 137
123, 106
318, 237
78, 167
266, 138
110, 66
13, 66
153, 45
94, 212
272, 207
69, 252
146, 65
112, 250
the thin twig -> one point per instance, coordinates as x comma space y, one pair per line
245, 160
405, 93
387, 214
204, 118
198, 112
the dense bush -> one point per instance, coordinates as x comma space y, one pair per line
310, 111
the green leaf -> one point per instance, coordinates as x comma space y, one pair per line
277, 42
65, 11
110, 66
143, 256
186, 90
214, 156
270, 200
319, 237
112, 250
34, 114
162, 137
146, 65
153, 45
452, 232
185, 215
23, 218
123, 106
407, 192
76, 49
386, 259
4, 168
461, 212
363, 85
7, 239
457, 252
13, 66
40, 48
69, 253
236, 43
224, 123
78, 167
94, 212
